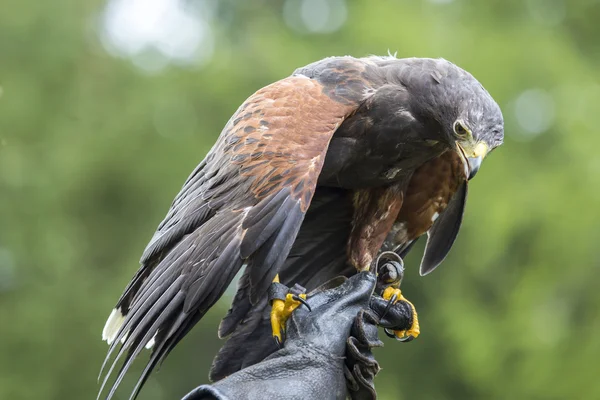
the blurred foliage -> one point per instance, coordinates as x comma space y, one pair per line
93, 149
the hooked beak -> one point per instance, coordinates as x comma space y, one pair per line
472, 155
474, 164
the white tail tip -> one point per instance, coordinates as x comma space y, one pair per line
151, 342
112, 326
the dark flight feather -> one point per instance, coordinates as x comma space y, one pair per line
442, 234
318, 255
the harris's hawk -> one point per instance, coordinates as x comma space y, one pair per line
311, 178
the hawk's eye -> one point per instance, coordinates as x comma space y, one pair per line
460, 129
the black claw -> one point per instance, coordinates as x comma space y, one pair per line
392, 335
278, 342
301, 300
389, 304
389, 333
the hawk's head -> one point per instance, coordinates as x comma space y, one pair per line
476, 129
468, 115
455, 102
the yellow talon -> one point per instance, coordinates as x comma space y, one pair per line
414, 329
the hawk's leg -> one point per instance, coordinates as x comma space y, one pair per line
390, 271
394, 295
283, 302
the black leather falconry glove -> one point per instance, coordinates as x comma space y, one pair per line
327, 351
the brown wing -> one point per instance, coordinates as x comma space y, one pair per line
244, 204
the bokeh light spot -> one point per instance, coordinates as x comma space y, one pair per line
535, 112
156, 33
315, 16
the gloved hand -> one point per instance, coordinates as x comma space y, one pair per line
327, 351
361, 366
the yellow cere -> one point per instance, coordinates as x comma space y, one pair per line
480, 150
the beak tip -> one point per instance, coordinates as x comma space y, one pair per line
474, 165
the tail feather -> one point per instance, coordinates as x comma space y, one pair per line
139, 327
137, 344
160, 274
176, 294
113, 324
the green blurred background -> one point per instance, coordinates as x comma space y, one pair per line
105, 107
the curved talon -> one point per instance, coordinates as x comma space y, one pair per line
389, 304
393, 299
301, 300
392, 334
389, 333
278, 342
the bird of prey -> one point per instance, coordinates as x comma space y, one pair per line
311, 178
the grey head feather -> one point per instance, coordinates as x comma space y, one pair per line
444, 92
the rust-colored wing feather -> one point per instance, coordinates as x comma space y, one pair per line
243, 204
286, 129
